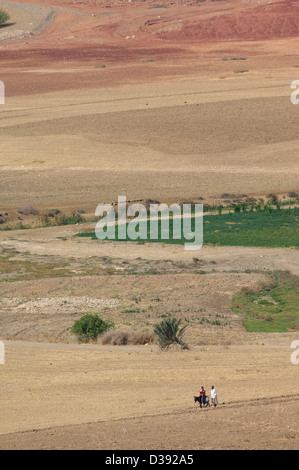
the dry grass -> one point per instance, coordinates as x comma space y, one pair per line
125, 337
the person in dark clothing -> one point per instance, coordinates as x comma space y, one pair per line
202, 397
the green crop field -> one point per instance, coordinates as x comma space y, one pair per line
279, 228
274, 228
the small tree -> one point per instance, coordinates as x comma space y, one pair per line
89, 327
168, 332
4, 16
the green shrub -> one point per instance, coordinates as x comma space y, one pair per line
89, 327
4, 16
68, 219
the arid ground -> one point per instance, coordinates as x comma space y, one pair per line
169, 101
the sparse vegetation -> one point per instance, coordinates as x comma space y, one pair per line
59, 219
148, 59
12, 270
124, 337
53, 219
272, 309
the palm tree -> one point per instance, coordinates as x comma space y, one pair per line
168, 332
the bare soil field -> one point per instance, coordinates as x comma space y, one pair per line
162, 117
174, 101
148, 145
88, 397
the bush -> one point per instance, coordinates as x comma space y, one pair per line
273, 198
4, 16
124, 337
72, 219
89, 327
55, 218
169, 333
28, 210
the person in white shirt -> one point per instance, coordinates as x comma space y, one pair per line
214, 397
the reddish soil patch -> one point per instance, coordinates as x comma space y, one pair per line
137, 42
245, 23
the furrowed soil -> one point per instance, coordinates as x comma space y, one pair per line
172, 102
131, 398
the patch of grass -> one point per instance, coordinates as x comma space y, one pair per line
272, 310
131, 310
12, 270
14, 226
148, 59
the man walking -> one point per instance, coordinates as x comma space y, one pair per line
214, 399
